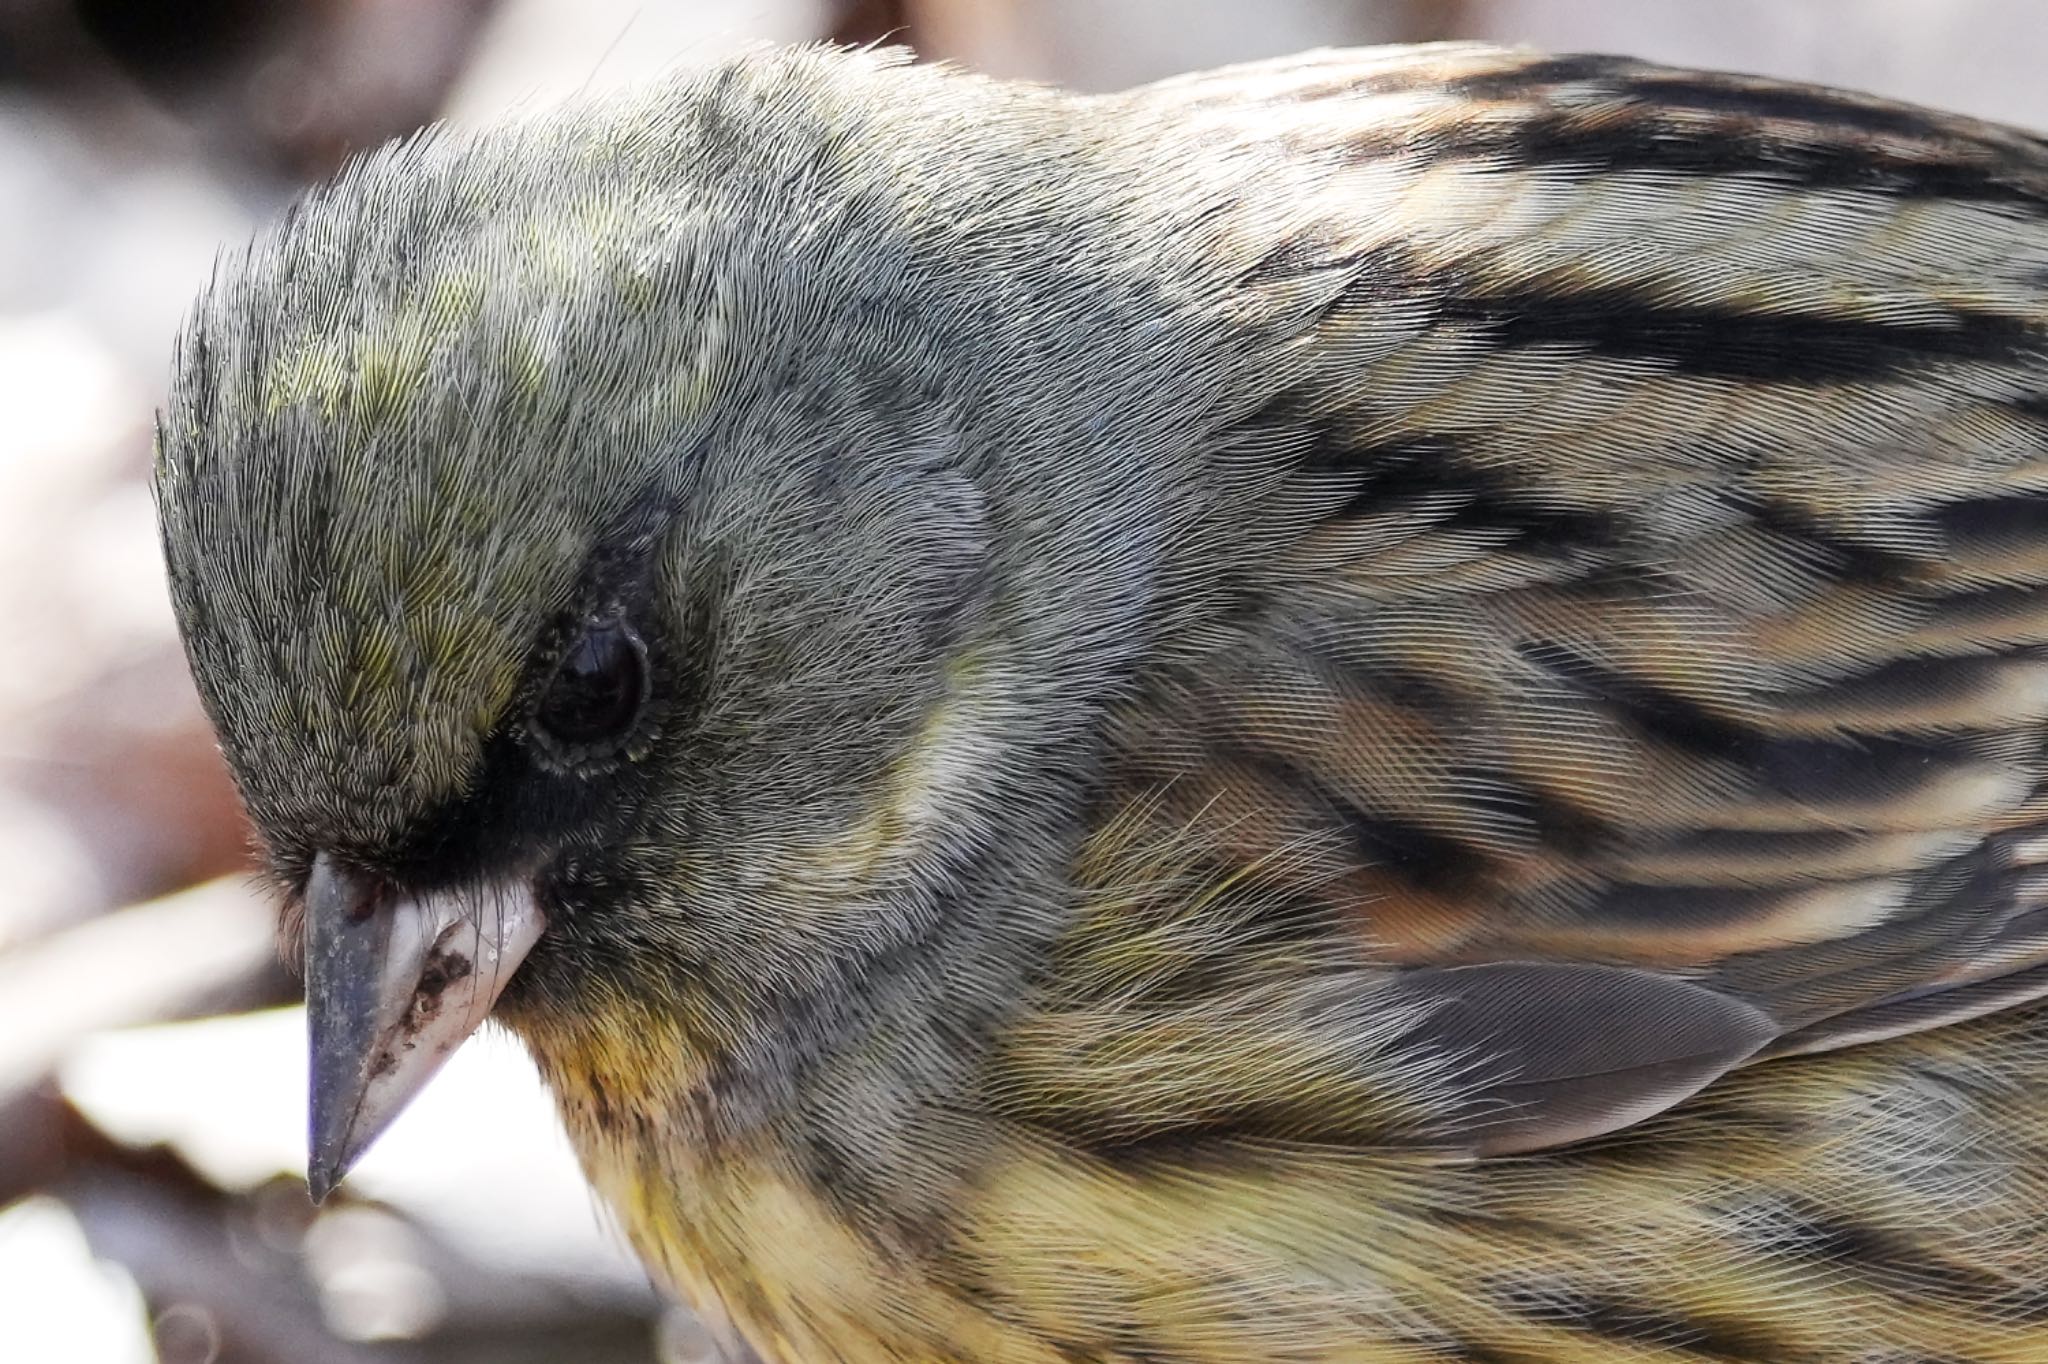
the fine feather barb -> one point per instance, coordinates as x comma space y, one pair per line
1653, 625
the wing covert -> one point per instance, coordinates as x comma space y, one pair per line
1642, 611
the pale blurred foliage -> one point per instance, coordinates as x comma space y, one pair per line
134, 139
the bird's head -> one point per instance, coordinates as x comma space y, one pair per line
589, 547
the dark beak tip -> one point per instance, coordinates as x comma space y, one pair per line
319, 1184
334, 1149
326, 1167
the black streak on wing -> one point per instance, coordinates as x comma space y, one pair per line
1690, 124
1818, 108
1848, 559
1608, 146
1665, 717
1672, 1334
2021, 520
1422, 857
1435, 466
1819, 770
1734, 343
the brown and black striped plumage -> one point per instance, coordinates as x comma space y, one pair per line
1658, 504
1663, 507
1387, 707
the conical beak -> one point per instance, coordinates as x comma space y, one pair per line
393, 986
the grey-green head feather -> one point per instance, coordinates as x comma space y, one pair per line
880, 431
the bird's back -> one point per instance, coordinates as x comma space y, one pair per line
1620, 669
1651, 486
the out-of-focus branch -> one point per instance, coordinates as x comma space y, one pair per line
200, 951
873, 21
256, 1309
1097, 47
171, 958
1421, 21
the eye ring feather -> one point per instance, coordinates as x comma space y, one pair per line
594, 699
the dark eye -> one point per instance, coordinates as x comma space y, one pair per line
597, 689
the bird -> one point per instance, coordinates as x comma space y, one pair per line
1381, 706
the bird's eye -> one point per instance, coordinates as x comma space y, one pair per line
597, 690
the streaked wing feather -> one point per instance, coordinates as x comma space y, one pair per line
1648, 574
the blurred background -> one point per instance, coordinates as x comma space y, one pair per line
151, 1073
